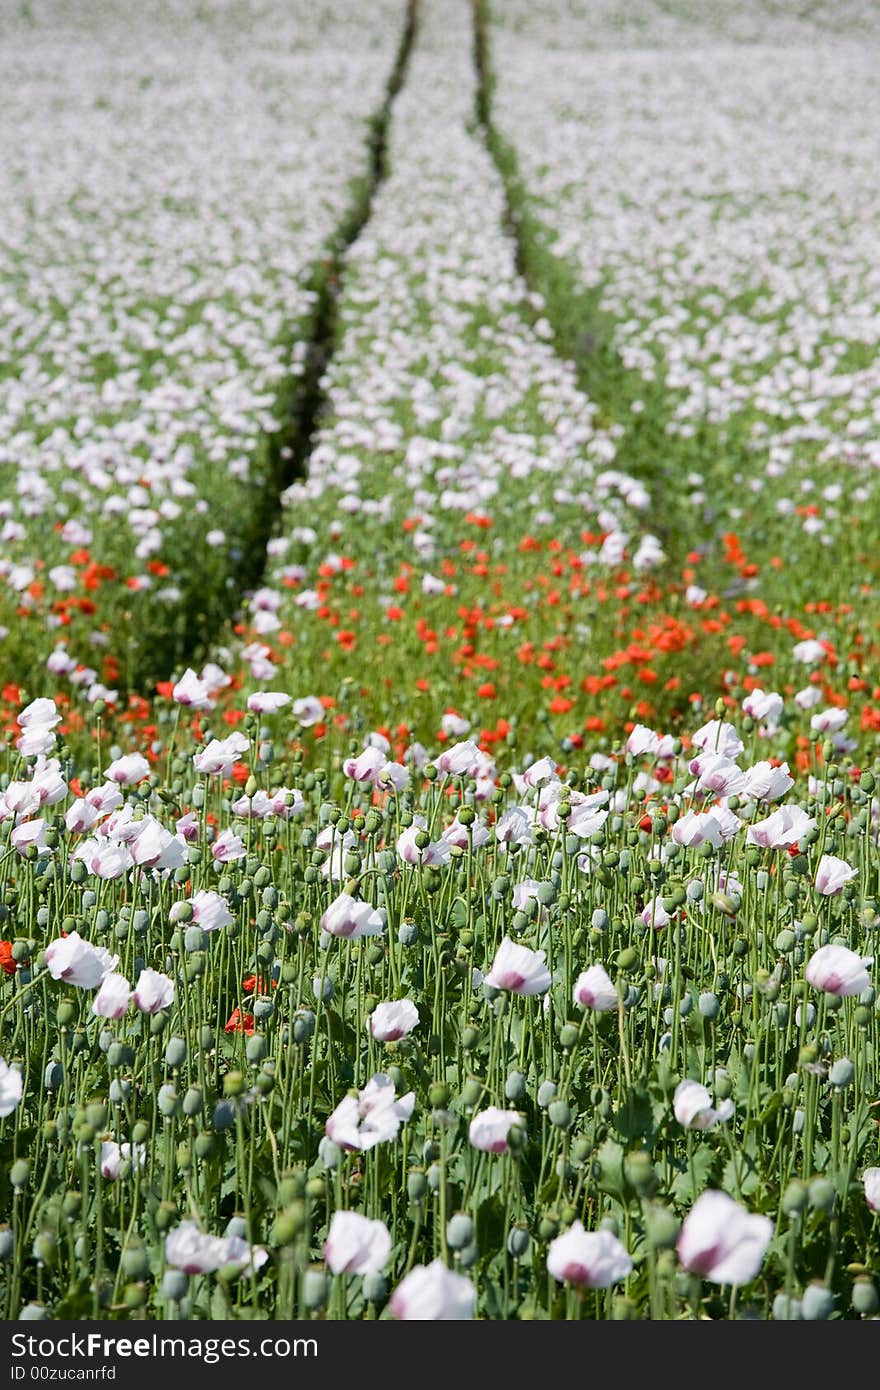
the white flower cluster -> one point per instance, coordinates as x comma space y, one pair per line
707, 170
172, 175
445, 396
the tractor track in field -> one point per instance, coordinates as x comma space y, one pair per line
583, 333
302, 402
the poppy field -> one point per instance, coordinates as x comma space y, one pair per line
439, 805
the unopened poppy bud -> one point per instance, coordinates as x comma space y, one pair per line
708, 1005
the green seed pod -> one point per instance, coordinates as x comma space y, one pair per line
842, 1073
193, 1102
71, 1204
438, 1095
459, 1231
314, 1288
175, 1052
569, 1035
135, 1263
416, 1184
821, 1195
289, 1223
864, 1296
817, 1303
661, 1227
548, 1226
559, 1114
66, 1013
205, 1145
19, 1172
518, 1241
166, 1216
639, 1172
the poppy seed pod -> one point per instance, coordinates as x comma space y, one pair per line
546, 1093
864, 1297
459, 1231
817, 1303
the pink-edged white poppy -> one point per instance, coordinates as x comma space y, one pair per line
433, 1293
356, 1245
78, 962
393, 1019
588, 1259
594, 989
837, 970
518, 969
722, 1241
490, 1130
